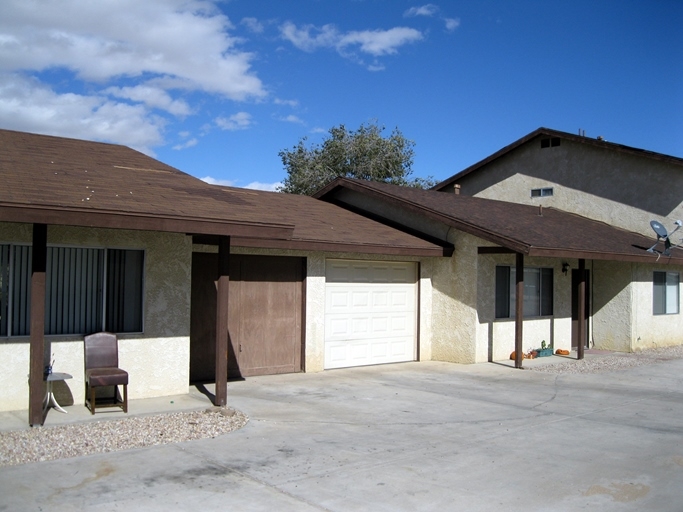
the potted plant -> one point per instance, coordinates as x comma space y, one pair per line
545, 350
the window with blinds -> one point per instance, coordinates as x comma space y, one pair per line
538, 292
86, 290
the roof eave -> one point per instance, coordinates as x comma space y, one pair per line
145, 222
329, 246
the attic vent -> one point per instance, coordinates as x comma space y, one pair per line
541, 192
551, 142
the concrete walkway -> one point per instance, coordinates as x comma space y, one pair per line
416, 436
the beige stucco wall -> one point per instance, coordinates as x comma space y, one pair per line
612, 305
649, 330
622, 307
157, 360
615, 187
454, 315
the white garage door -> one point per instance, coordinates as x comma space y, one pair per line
370, 313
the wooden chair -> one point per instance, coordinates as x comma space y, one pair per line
102, 369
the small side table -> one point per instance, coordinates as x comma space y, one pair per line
50, 400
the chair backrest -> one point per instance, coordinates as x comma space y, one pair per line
101, 350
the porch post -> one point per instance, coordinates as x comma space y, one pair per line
36, 381
222, 294
519, 309
582, 310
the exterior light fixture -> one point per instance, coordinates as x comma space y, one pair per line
565, 268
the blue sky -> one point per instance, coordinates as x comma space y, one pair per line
218, 88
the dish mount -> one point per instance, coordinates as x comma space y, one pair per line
664, 236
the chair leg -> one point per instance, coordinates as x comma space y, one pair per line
125, 398
92, 400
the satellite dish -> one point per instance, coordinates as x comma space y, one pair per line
659, 229
664, 235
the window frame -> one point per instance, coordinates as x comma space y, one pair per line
661, 292
15, 291
542, 192
505, 292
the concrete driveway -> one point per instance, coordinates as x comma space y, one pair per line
417, 436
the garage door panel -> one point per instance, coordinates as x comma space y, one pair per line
357, 327
343, 354
370, 313
370, 300
369, 272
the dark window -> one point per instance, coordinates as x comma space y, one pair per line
665, 293
541, 192
4, 289
538, 292
124, 291
551, 142
86, 290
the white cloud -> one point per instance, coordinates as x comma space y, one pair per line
214, 181
120, 52
292, 119
289, 103
185, 40
27, 105
187, 144
430, 10
452, 23
373, 42
153, 97
424, 10
324, 37
239, 121
380, 42
254, 185
253, 25
269, 187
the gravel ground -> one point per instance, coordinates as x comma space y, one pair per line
610, 363
50, 443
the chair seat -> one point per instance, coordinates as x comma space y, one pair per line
106, 377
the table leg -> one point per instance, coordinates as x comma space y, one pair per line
51, 401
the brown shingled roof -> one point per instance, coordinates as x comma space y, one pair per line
319, 225
521, 228
56, 180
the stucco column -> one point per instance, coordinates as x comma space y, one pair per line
222, 294
519, 309
37, 339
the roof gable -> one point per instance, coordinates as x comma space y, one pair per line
547, 132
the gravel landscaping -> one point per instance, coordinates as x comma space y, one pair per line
610, 363
75, 440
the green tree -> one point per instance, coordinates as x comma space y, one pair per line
362, 154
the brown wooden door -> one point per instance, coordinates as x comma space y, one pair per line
575, 307
265, 315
